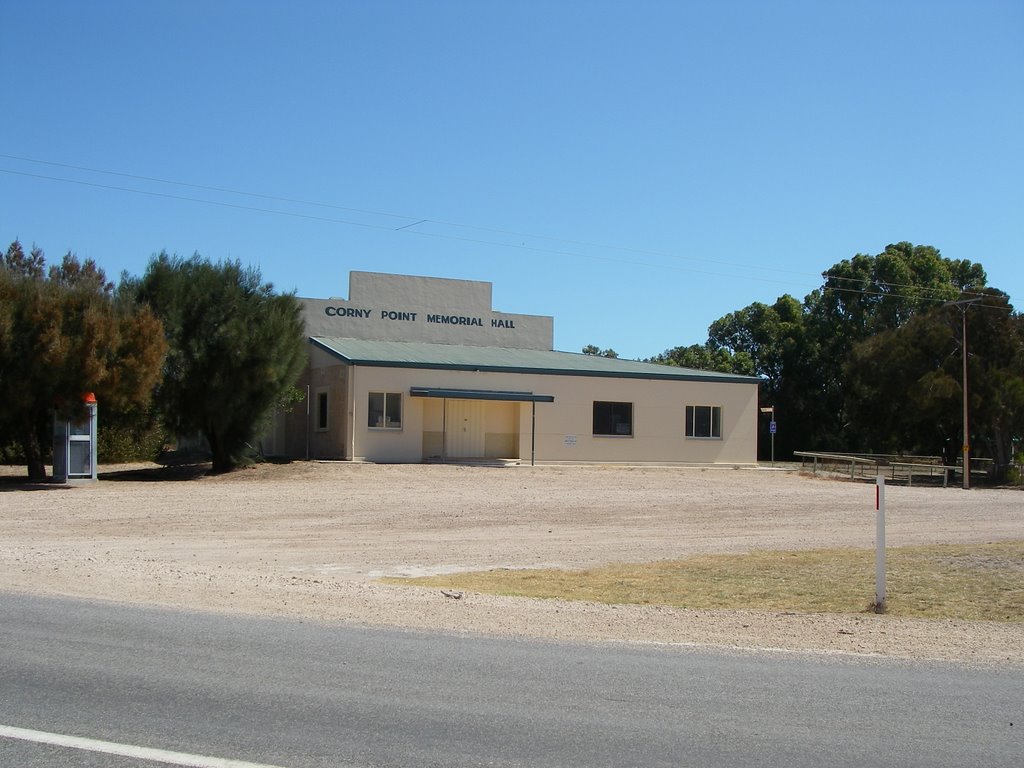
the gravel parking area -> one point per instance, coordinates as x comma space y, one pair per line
310, 539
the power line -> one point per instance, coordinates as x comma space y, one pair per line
410, 228
942, 300
867, 281
414, 220
208, 188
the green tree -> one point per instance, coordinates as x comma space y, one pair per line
705, 357
995, 343
904, 386
64, 332
590, 349
903, 390
802, 348
236, 348
864, 296
870, 294
770, 336
774, 338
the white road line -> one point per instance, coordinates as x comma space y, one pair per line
126, 750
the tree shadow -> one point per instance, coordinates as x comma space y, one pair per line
176, 472
171, 469
10, 483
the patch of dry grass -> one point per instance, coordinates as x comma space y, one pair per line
971, 582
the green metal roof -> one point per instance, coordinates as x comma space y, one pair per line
404, 354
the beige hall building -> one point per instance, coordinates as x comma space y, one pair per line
421, 369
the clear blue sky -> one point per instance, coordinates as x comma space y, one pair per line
636, 169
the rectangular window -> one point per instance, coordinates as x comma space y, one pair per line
703, 421
385, 410
613, 419
321, 411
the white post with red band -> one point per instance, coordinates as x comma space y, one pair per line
880, 542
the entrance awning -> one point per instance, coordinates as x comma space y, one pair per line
490, 394
480, 394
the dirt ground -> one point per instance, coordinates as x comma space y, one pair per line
308, 540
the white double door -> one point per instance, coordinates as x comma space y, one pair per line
464, 428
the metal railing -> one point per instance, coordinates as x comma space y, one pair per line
898, 468
926, 470
827, 460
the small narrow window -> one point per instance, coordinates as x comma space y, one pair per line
704, 421
321, 410
613, 419
384, 410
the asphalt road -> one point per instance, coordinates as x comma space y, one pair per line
294, 694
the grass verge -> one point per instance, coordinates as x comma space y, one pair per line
976, 582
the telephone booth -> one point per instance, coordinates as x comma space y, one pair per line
74, 445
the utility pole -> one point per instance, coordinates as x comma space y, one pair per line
963, 304
967, 431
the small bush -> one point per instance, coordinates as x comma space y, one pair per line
1015, 474
118, 443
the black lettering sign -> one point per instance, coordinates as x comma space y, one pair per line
390, 314
346, 312
455, 320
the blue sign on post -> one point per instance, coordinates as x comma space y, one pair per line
771, 427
